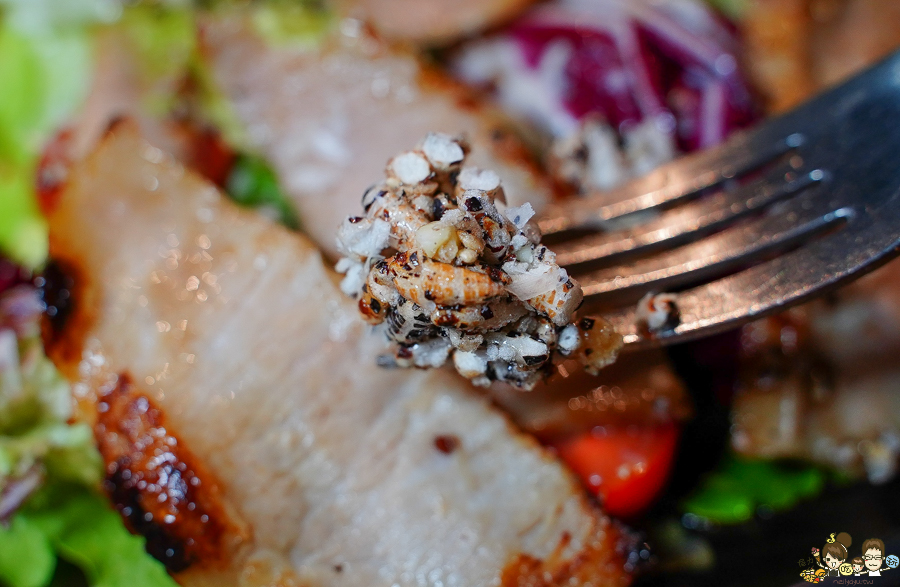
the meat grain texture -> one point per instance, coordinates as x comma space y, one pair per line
329, 469
328, 118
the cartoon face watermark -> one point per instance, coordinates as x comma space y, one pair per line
813, 575
873, 555
833, 559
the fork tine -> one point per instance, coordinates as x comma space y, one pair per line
671, 182
784, 281
712, 257
689, 222
849, 132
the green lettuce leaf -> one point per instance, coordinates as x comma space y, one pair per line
43, 76
734, 492
20, 108
27, 557
252, 183
23, 231
79, 525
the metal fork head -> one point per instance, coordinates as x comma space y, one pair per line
777, 215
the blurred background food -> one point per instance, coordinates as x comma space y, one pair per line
285, 104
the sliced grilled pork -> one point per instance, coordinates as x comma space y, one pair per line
328, 118
247, 428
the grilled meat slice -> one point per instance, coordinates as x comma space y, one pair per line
232, 337
329, 118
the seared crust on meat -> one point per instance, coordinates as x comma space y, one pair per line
589, 566
158, 486
63, 330
241, 347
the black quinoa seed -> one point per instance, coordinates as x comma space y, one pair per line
437, 209
531, 361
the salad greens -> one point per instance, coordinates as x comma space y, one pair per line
50, 470
44, 67
253, 183
35, 405
46, 49
740, 486
733, 9
45, 63
77, 524
67, 517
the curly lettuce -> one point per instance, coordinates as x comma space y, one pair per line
50, 471
35, 408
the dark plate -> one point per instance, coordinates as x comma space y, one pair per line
767, 550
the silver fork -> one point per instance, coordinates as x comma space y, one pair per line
780, 213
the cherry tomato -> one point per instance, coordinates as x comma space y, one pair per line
626, 466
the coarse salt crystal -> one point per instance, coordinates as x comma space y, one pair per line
364, 237
520, 215
442, 150
469, 364
472, 178
410, 168
568, 338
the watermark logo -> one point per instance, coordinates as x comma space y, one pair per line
834, 560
